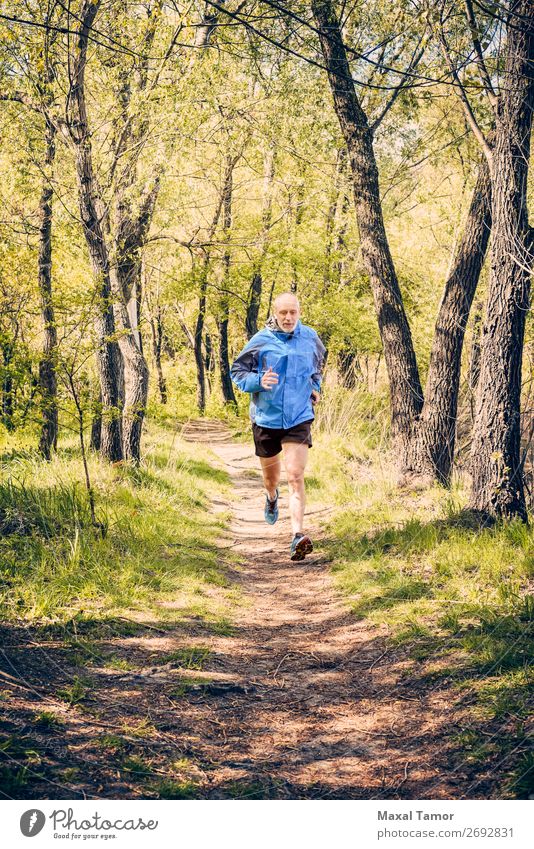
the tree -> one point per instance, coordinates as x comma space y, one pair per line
435, 429
498, 487
423, 427
224, 301
47, 365
93, 213
256, 285
405, 387
39, 101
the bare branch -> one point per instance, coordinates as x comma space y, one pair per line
416, 58
20, 97
460, 91
484, 75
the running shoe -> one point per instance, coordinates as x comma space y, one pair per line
300, 547
271, 509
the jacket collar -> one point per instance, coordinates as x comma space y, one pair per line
272, 324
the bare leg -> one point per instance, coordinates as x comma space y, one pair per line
295, 459
271, 468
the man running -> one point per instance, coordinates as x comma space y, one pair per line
281, 368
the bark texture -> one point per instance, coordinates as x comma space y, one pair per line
93, 212
47, 364
434, 438
156, 327
224, 306
131, 228
497, 474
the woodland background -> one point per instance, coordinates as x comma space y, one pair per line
166, 169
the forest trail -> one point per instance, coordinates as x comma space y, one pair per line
311, 703
297, 699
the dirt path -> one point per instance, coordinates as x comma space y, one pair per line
300, 700
315, 705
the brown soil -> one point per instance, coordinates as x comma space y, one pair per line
301, 700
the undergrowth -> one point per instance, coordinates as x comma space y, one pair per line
457, 596
154, 539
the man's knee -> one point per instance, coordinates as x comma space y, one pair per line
295, 477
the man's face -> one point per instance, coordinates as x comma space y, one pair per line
287, 312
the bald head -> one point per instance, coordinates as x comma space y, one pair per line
286, 297
286, 309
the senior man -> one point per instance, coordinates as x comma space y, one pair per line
281, 368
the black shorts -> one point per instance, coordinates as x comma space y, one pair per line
268, 440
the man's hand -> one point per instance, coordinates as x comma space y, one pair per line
315, 397
269, 379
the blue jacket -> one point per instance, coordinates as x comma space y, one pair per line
297, 358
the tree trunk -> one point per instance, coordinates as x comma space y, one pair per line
295, 221
93, 212
254, 301
8, 405
349, 368
96, 424
47, 365
474, 356
473, 371
156, 326
130, 233
224, 363
201, 314
199, 330
332, 240
131, 229
209, 359
224, 315
405, 388
497, 474
270, 301
435, 434
135, 378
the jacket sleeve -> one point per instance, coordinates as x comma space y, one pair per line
245, 371
319, 359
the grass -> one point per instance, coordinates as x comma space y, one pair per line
187, 685
111, 743
142, 729
76, 692
46, 720
20, 763
244, 789
456, 596
151, 565
168, 788
193, 657
136, 766
155, 539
